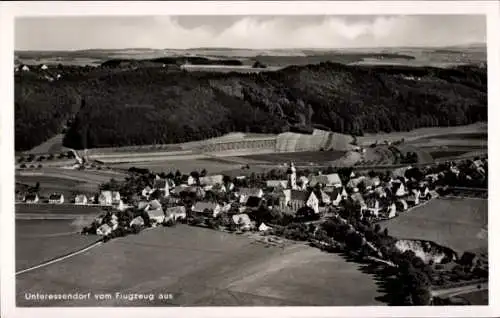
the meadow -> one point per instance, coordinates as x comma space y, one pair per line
302, 157
460, 224
202, 267
38, 241
184, 166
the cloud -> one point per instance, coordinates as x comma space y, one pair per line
247, 32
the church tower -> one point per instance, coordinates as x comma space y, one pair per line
292, 176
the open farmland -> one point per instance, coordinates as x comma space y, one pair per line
38, 241
202, 268
302, 157
478, 298
184, 166
460, 224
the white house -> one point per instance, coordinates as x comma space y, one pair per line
156, 215
243, 221
353, 183
31, 198
398, 189
147, 191
81, 199
264, 228
188, 179
277, 184
56, 198
302, 182
25, 68
206, 208
211, 180
115, 198
104, 230
105, 198
391, 211
175, 213
336, 196
137, 221
43, 67
245, 193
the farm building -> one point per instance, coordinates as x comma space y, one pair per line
335, 196
81, 199
211, 180
245, 193
104, 230
43, 67
56, 198
324, 180
175, 213
31, 198
205, 208
105, 198
25, 68
293, 200
243, 221
398, 189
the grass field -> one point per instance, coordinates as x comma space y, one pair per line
184, 166
203, 268
49, 184
476, 298
39, 241
455, 223
303, 157
53, 145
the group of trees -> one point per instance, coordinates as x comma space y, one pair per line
149, 105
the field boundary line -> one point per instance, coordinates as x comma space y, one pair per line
61, 258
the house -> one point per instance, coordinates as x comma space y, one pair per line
105, 198
398, 189
293, 200
264, 228
81, 199
371, 183
25, 68
138, 221
175, 213
342, 191
188, 179
56, 198
211, 180
104, 230
115, 198
324, 198
243, 221
400, 172
372, 206
245, 193
302, 182
413, 197
156, 214
391, 210
380, 192
277, 184
142, 205
147, 191
336, 196
425, 193
353, 183
401, 205
31, 198
43, 67
357, 198
324, 180
204, 208
162, 185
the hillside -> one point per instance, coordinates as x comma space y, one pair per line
108, 108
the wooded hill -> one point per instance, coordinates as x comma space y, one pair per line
149, 105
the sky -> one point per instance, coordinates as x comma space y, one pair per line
254, 32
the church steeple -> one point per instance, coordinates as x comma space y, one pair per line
292, 176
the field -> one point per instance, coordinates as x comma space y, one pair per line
53, 145
460, 224
476, 298
202, 267
303, 157
184, 166
39, 241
